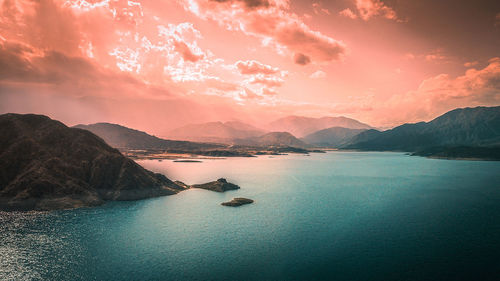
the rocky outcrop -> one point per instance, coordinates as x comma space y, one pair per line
45, 165
236, 202
220, 185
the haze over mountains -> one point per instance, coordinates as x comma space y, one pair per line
221, 132
273, 139
300, 126
229, 132
334, 137
465, 128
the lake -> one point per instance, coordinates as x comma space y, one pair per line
333, 216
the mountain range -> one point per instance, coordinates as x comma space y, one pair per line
217, 132
122, 137
472, 127
334, 137
300, 126
273, 139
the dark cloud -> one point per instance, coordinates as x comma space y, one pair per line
66, 74
301, 59
251, 4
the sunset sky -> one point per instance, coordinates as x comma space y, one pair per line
157, 65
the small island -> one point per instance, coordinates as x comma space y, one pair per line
236, 202
220, 185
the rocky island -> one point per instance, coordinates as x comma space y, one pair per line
236, 202
220, 185
44, 165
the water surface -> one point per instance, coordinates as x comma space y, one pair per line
340, 215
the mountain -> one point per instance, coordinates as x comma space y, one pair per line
332, 137
216, 132
122, 137
301, 126
273, 139
464, 127
45, 165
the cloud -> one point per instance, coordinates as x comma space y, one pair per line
255, 67
318, 75
250, 4
436, 55
275, 25
471, 63
348, 13
301, 59
318, 9
42, 24
268, 92
270, 81
186, 52
442, 93
371, 8
56, 72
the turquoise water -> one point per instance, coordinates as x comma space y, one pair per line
334, 216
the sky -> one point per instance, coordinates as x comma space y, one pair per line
158, 65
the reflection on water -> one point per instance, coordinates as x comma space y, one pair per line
340, 215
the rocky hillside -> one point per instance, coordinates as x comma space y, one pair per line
45, 165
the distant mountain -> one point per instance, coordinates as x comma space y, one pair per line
122, 137
466, 127
273, 139
216, 132
332, 137
301, 126
45, 165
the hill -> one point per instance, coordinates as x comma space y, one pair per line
215, 132
301, 126
457, 133
45, 165
283, 139
332, 137
122, 137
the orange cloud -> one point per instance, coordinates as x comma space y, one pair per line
442, 93
274, 24
186, 52
255, 67
371, 8
348, 13
271, 81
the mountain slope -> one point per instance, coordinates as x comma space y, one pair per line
122, 137
332, 137
45, 165
215, 132
273, 139
301, 126
469, 127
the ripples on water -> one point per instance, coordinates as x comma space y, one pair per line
342, 216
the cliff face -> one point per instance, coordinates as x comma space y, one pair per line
45, 165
